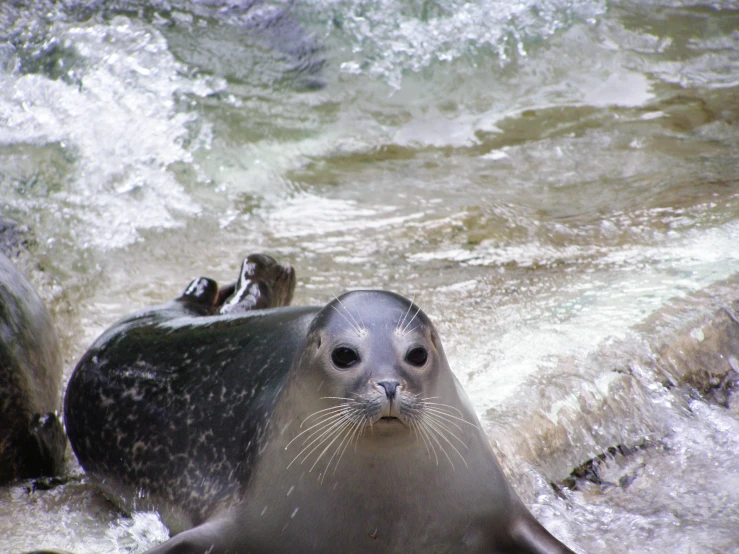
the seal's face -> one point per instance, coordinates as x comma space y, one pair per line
378, 379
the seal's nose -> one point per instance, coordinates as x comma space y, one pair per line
390, 388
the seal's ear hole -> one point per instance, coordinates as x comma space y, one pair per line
344, 357
417, 356
318, 343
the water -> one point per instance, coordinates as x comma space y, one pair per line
542, 176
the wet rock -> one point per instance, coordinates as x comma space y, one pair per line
618, 466
14, 237
704, 358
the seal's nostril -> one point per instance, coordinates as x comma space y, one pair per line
390, 388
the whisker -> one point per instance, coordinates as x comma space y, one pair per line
445, 414
321, 440
438, 417
403, 332
425, 401
340, 398
326, 421
434, 432
357, 327
324, 435
425, 433
363, 426
439, 405
442, 436
400, 322
414, 426
337, 434
352, 325
442, 425
338, 407
345, 431
350, 435
411, 330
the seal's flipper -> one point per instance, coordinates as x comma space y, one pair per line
46, 445
200, 296
211, 537
530, 537
263, 283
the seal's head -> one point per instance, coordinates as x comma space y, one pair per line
376, 375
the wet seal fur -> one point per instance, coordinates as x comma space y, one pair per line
32, 441
296, 429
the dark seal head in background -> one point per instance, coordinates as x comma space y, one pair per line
32, 440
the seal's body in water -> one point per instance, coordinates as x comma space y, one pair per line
295, 429
32, 441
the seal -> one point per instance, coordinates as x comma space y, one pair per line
294, 430
32, 441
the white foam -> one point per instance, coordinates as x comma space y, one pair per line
118, 120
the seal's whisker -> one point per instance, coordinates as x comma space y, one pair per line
341, 398
446, 414
437, 410
362, 326
357, 327
356, 430
323, 435
352, 425
348, 413
426, 433
339, 407
403, 332
441, 435
443, 426
400, 322
323, 421
346, 431
322, 439
448, 418
433, 432
414, 426
323, 425
425, 402
363, 426
411, 330
440, 418
439, 432
354, 325
336, 435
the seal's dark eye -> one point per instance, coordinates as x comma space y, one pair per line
344, 357
417, 356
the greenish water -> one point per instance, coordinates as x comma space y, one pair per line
540, 175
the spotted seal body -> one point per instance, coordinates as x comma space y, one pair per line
295, 430
32, 441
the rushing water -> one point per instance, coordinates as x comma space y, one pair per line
540, 175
